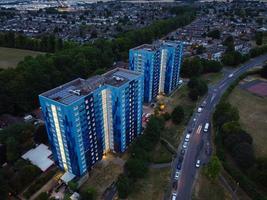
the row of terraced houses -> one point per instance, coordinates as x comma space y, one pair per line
86, 118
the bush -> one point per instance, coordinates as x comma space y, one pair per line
178, 115
88, 194
39, 183
136, 168
213, 168
264, 71
197, 87
123, 186
243, 154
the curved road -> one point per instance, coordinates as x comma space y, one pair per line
199, 141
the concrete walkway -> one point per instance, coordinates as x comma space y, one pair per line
159, 165
224, 182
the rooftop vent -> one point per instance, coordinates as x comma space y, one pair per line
76, 92
118, 78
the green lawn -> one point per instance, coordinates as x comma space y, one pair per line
253, 117
153, 187
11, 57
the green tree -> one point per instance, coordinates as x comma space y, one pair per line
178, 115
4, 187
197, 87
88, 194
230, 128
73, 185
43, 196
259, 38
231, 140
213, 168
12, 149
136, 168
244, 155
264, 71
215, 34
224, 113
123, 186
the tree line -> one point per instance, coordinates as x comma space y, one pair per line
44, 43
137, 165
21, 86
193, 68
232, 140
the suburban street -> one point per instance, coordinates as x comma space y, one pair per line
199, 140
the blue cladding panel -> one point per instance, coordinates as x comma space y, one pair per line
81, 122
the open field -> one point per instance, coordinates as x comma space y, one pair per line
253, 117
11, 57
206, 189
153, 186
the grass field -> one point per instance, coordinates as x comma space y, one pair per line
153, 187
11, 57
205, 189
253, 117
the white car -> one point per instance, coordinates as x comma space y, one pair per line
230, 75
198, 164
177, 174
199, 110
195, 119
174, 196
185, 144
187, 137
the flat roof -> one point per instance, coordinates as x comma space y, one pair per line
148, 47
156, 45
76, 89
39, 157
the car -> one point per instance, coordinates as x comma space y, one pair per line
190, 130
179, 166
182, 152
204, 104
177, 174
174, 196
174, 185
187, 137
198, 164
185, 145
230, 75
206, 127
194, 119
199, 110
181, 158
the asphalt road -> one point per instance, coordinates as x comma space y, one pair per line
199, 142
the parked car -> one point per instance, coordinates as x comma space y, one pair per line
179, 166
198, 164
177, 174
181, 158
185, 145
187, 137
174, 196
182, 152
199, 110
174, 185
